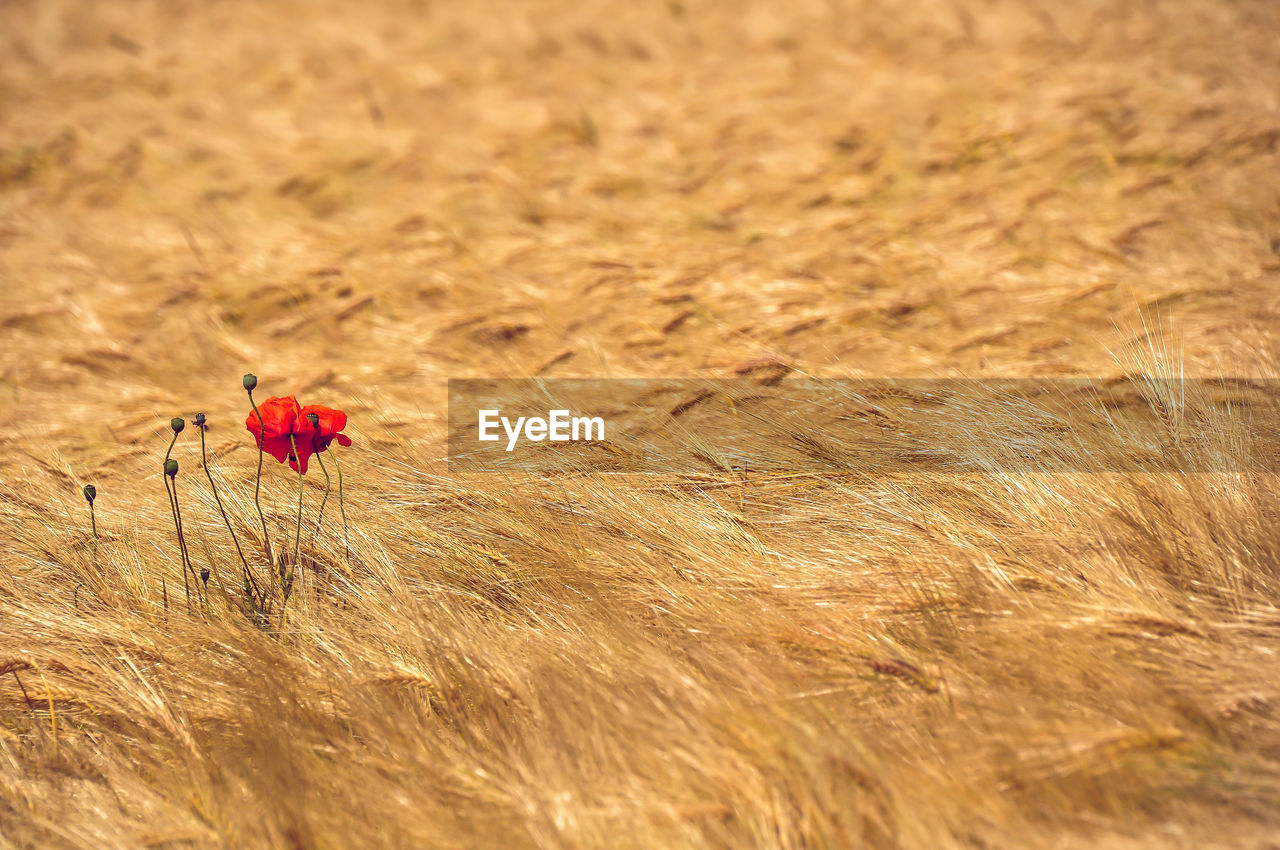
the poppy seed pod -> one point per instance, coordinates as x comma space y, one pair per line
90, 493
177, 424
250, 381
314, 419
199, 420
171, 467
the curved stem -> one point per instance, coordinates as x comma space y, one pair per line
177, 522
297, 538
257, 482
327, 483
93, 521
346, 548
204, 459
186, 553
182, 550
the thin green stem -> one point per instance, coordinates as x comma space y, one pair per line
93, 521
173, 509
346, 548
297, 537
257, 481
182, 550
204, 459
186, 554
327, 482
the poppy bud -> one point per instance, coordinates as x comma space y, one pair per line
250, 381
199, 420
171, 467
90, 492
204, 574
177, 424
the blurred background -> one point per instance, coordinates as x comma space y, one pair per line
372, 197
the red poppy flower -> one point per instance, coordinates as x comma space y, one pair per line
329, 423
285, 426
313, 439
280, 417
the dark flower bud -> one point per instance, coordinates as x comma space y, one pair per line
177, 424
204, 574
199, 420
250, 381
171, 467
90, 493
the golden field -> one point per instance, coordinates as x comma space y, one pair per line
357, 202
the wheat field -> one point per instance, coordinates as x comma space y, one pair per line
357, 202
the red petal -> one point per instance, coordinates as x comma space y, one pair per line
277, 447
251, 422
277, 417
330, 420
